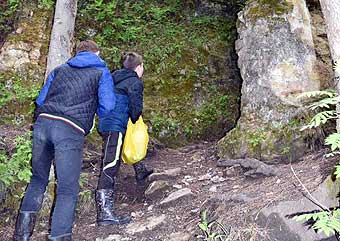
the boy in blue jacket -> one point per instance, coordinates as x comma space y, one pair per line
129, 103
67, 103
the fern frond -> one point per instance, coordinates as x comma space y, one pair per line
325, 103
336, 212
314, 216
320, 118
337, 175
329, 93
334, 141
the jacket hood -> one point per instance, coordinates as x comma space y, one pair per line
85, 60
122, 74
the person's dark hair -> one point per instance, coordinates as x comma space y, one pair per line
131, 60
87, 45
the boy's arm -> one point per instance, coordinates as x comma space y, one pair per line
135, 93
106, 96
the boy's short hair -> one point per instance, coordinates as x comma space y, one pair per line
131, 60
87, 45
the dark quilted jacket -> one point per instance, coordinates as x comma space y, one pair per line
77, 90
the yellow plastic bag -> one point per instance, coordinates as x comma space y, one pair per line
135, 142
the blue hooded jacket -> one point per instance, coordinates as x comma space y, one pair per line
76, 89
129, 102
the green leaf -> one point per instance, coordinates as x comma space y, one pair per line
203, 227
321, 118
337, 174
333, 140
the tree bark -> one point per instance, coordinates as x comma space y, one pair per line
331, 13
62, 34
61, 38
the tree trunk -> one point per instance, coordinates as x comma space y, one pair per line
61, 38
62, 34
331, 13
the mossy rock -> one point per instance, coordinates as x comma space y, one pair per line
257, 9
20, 84
279, 144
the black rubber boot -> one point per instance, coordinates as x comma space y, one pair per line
105, 209
141, 173
65, 237
24, 226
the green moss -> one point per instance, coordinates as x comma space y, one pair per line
266, 142
230, 146
267, 8
183, 62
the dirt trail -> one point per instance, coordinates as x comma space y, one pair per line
195, 169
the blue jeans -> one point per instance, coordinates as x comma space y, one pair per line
54, 139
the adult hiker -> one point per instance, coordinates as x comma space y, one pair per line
66, 106
112, 127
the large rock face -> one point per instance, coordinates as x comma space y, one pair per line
277, 62
28, 43
22, 63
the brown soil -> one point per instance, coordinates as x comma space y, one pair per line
183, 217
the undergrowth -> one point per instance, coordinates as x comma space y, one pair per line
177, 45
17, 167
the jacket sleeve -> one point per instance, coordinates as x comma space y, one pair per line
106, 96
43, 93
135, 93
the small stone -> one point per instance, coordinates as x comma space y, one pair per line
213, 189
207, 176
112, 237
177, 195
124, 205
172, 209
217, 179
147, 224
165, 175
195, 210
179, 236
157, 189
150, 208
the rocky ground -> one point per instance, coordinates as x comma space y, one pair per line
187, 181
